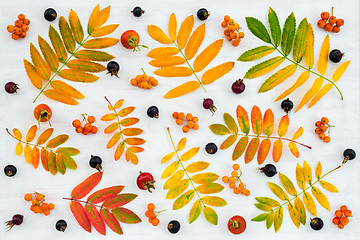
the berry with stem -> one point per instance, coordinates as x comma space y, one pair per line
336, 55
61, 225
50, 14
95, 162
202, 14
208, 103
173, 226
269, 170
145, 181
10, 170
316, 223
211, 148
17, 219
11, 87
153, 112
287, 105
113, 68
349, 154
137, 11
238, 86
237, 224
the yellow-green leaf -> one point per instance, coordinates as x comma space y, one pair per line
210, 215
277, 78
294, 214
93, 55
207, 55
189, 154
181, 144
309, 51
228, 141
30, 135
66, 35
183, 89
52, 163
126, 111
113, 140
60, 97
173, 72
258, 29
105, 30
240, 147
270, 220
195, 211
261, 217
263, 207
256, 53
66, 89
219, 129
70, 151
288, 34
184, 199
301, 79
328, 186
203, 178
301, 210
57, 141
197, 166
34, 77
195, 41
170, 170
184, 31
298, 133
216, 72
93, 18
167, 61
162, 52
278, 218
309, 203
214, 201
44, 136
76, 27
179, 189
174, 180
318, 170
60, 164
288, 185
85, 65
78, 76
210, 188
167, 157
230, 123
172, 27
98, 43
57, 44
311, 92
278, 191
19, 149
300, 41
320, 197
264, 67
158, 35
300, 178
324, 55
307, 172
69, 162
268, 201
49, 54
42, 68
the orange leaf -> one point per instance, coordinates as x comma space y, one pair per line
240, 147
35, 157
85, 65
113, 140
268, 122
44, 156
173, 72
228, 142
298, 133
158, 35
135, 149
256, 120
264, 149
102, 17
111, 221
108, 117
216, 72
182, 89
167, 61
252, 149
67, 35
125, 111
132, 131
119, 103
184, 31
42, 68
162, 52
17, 134
93, 17
195, 41
60, 97
80, 215
129, 156
243, 119
105, 30
119, 150
44, 136
277, 150
34, 77
134, 141
31, 133
66, 89
98, 43
49, 54
129, 121
293, 149
283, 126
19, 148
78, 76
85, 187
172, 27
111, 128
28, 153
181, 144
76, 27
52, 163
95, 218
207, 55
58, 140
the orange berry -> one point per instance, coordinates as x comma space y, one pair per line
321, 23
235, 44
51, 206
37, 209
341, 226
26, 21
339, 22
224, 24
18, 23
232, 185
227, 32
196, 126
323, 128
237, 25
241, 35
236, 166
133, 82
228, 38
348, 213
336, 29
91, 119
76, 123
232, 28
328, 27
32, 207
232, 22
181, 115
149, 86
44, 206
234, 173
226, 18
344, 220
190, 124
28, 197
336, 220
338, 213
46, 212
233, 35
10, 28
138, 78
34, 202
23, 35
231, 179
332, 20
39, 197
325, 15
18, 31
85, 132
246, 192
79, 129
155, 222
236, 190
318, 124
321, 135
144, 77
327, 139
185, 129
189, 116
175, 115
179, 121
94, 129
151, 207
225, 179
241, 185
343, 208
238, 40
324, 120
21, 16
147, 213
25, 28
151, 215
155, 82
195, 119
318, 130
15, 36
87, 127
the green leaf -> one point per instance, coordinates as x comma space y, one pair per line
210, 215
270, 220
210, 188
66, 35
183, 199
277, 78
274, 27
258, 29
203, 178
264, 67
219, 129
57, 44
261, 217
263, 207
69, 161
126, 216
230, 123
256, 53
195, 211
288, 34
300, 41
268, 201
93, 55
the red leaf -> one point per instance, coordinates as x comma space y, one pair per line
252, 149
126, 216
105, 193
95, 218
119, 200
263, 150
111, 221
80, 215
86, 186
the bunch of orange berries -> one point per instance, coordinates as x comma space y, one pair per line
20, 27
321, 127
342, 216
152, 215
333, 23
232, 30
88, 127
191, 121
38, 204
143, 81
234, 179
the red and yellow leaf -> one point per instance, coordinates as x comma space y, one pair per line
60, 164
256, 120
203, 178
288, 185
57, 44
132, 131
167, 61
52, 163
119, 104
134, 141
34, 77
172, 27
309, 203
252, 149
195, 41
98, 43
42, 68
283, 126
184, 31
126, 111
85, 65
228, 142
66, 35
210, 188
324, 55
210, 215
44, 136
217, 72
178, 189
173, 72
158, 35
85, 187
195, 211
182, 89
60, 97
118, 200
294, 149
240, 147
170, 170
311, 92
111, 221
126, 216
119, 150
207, 55
44, 156
268, 122
108, 117
243, 119
56, 141
105, 30
35, 159
278, 191
104, 194
113, 140
184, 199
80, 215
320, 197
189, 154
49, 55
162, 52
328, 186
78, 76
30, 135
277, 150
197, 166
95, 218
263, 151
76, 27
66, 89
214, 201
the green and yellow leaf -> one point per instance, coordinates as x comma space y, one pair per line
179, 189
318, 170
184, 31
76, 27
111, 128
298, 133
270, 220
44, 136
294, 214
57, 141
167, 157
52, 163
328, 186
210, 188
219, 129
203, 178
49, 54
42, 68
210, 215
278, 218
70, 151
294, 149
288, 185
78, 76
214, 201
268, 122
261, 217
57, 44
170, 170
243, 119
264, 67
125, 122
320, 197
240, 148
300, 40
195, 211
301, 79
85, 65
268, 201
277, 78
69, 162
132, 131
230, 123
119, 150
217, 72
307, 172
263, 207
93, 18
66, 35
184, 199
256, 53
125, 215
207, 55
60, 165
174, 180
256, 120
278, 191
93, 55
66, 89
288, 34
34, 77
126, 111
30, 135
228, 142
252, 149
309, 51
300, 177
309, 203
301, 210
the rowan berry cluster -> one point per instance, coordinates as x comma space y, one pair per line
330, 23
234, 179
342, 216
232, 31
38, 204
88, 127
191, 121
321, 127
20, 27
152, 215
143, 81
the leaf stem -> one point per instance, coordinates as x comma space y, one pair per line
58, 70
187, 174
86, 202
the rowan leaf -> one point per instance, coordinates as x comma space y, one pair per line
283, 126
300, 41
209, 188
294, 149
243, 119
195, 211
126, 111
189, 154
263, 207
35, 158
119, 150
69, 161
173, 72
113, 140
181, 144
85, 187
219, 129
278, 218
258, 29
300, 178
270, 220
178, 189
172, 27
76, 27
66, 89
60, 97
256, 53
261, 217
126, 216
162, 52
111, 221
134, 141
294, 214
158, 35
132, 131
111, 128
42, 68
167, 157
311, 92
102, 17
66, 35
214, 201
298, 133
78, 76
30, 135
318, 170
301, 80
98, 43
268, 201
182, 89
80, 215
252, 149
184, 199
170, 170
197, 166
44, 156
264, 67
108, 117
230, 123
85, 65
207, 55
228, 142
52, 163
174, 180
167, 61
309, 51
184, 31
105, 30
339, 71
301, 210
57, 44
56, 141
131, 157
17, 134
49, 55
34, 77
288, 34
307, 172
195, 41
328, 186
274, 27
263, 151
324, 55
277, 78
92, 20
60, 164
277, 150
268, 122
256, 120
19, 149
217, 72
288, 185
309, 203
93, 55
125, 122
278, 191
320, 197
203, 178
119, 200
210, 215
240, 147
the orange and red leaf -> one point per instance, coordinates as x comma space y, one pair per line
252, 149
86, 186
80, 215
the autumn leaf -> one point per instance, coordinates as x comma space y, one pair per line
80, 215
182, 89
86, 186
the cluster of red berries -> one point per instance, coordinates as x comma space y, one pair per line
191, 121
232, 30
88, 127
330, 23
38, 204
321, 127
143, 81
152, 215
20, 27
234, 179
342, 216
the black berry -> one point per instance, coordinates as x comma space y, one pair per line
336, 55
269, 170
61, 225
287, 105
11, 87
211, 148
137, 11
10, 170
95, 162
316, 223
203, 14
50, 14
17, 219
173, 226
113, 68
153, 112
349, 154
238, 86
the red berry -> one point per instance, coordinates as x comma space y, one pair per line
145, 181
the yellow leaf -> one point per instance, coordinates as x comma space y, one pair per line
195, 41
17, 134
49, 55
170, 170
210, 215
197, 166
57, 44
328, 186
203, 178
324, 90
278, 191
179, 189
85, 65
108, 117
298, 133
66, 89
339, 71
172, 27
113, 140
30, 135
167, 61
162, 52
44, 136
66, 35
264, 67
301, 209
19, 149
207, 55
301, 79
309, 51
189, 154
98, 43
294, 214
167, 157
283, 126
119, 150
288, 185
184, 31
307, 172
216, 72
60, 97
195, 211
311, 92
78, 76
214, 201
278, 218
324, 55
184, 199
42, 68
105, 30
102, 17
182, 89
174, 180
294, 149
28, 153
76, 27
119, 103
277, 78
93, 18
157, 34
173, 72
34, 77
300, 178
318, 170
181, 144
320, 197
